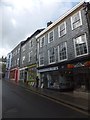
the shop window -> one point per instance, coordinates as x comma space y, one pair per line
17, 61
80, 44
21, 74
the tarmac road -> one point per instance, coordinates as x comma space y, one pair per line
21, 103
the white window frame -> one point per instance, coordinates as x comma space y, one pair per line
23, 58
18, 49
24, 47
49, 56
30, 44
49, 35
30, 54
80, 20
41, 45
16, 52
66, 53
59, 29
39, 59
75, 46
17, 61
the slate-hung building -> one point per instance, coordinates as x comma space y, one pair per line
15, 62
8, 65
28, 59
64, 50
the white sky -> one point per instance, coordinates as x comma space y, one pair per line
21, 18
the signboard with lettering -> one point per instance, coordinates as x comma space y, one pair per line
48, 69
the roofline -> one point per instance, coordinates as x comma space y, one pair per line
34, 34
61, 18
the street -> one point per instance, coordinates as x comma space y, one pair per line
17, 102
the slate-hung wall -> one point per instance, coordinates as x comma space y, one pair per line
64, 42
15, 63
15, 56
28, 52
69, 37
28, 58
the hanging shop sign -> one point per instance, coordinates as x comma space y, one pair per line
79, 65
48, 69
87, 64
70, 66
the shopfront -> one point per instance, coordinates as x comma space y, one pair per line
23, 74
82, 75
14, 74
71, 75
32, 73
56, 78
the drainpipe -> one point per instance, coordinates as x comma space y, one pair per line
87, 10
87, 6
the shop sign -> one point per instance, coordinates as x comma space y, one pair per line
70, 66
48, 69
87, 64
31, 66
79, 65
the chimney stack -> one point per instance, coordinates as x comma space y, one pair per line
49, 23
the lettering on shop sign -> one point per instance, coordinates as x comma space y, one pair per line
48, 69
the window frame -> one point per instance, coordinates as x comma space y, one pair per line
73, 22
30, 56
59, 51
49, 36
24, 47
43, 59
40, 41
75, 46
59, 29
49, 56
30, 44
23, 59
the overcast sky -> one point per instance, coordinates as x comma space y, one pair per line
21, 18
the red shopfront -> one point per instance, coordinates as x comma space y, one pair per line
14, 74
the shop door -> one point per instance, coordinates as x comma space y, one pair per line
16, 75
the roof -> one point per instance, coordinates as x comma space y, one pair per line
34, 34
61, 18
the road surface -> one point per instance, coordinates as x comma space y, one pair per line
18, 102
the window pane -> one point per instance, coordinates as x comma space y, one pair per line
62, 51
80, 44
51, 36
62, 30
76, 20
41, 59
52, 55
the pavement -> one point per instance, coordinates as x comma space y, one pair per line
77, 99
